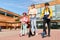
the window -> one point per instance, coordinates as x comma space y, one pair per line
54, 10
1, 12
38, 10
57, 8
58, 11
10, 15
6, 14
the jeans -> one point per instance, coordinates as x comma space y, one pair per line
33, 24
23, 29
44, 28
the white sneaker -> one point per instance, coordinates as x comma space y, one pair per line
36, 33
32, 32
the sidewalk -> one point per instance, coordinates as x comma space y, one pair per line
14, 35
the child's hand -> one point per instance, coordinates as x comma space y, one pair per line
49, 17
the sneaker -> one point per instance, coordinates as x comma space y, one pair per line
32, 33
36, 33
48, 35
43, 34
23, 34
20, 35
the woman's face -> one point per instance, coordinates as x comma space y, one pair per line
33, 7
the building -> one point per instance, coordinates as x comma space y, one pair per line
8, 19
54, 4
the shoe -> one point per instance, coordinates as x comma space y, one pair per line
43, 34
48, 35
36, 33
23, 35
20, 35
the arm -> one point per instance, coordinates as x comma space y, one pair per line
50, 16
42, 14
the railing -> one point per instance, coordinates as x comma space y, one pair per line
6, 25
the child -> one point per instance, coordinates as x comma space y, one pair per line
32, 14
24, 19
46, 15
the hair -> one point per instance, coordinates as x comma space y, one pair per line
24, 13
33, 5
47, 4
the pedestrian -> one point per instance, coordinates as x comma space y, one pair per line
32, 15
24, 19
46, 15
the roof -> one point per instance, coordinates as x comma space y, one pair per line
9, 12
42, 4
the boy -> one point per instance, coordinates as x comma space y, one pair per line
46, 15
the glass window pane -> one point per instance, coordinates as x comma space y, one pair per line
53, 9
10, 15
38, 10
1, 12
58, 11
57, 8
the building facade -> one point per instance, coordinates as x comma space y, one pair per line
8, 19
54, 4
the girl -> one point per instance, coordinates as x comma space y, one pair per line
24, 19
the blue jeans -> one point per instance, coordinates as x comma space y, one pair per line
33, 24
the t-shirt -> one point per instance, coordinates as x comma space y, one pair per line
46, 13
32, 12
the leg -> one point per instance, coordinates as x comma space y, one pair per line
32, 26
48, 23
35, 28
44, 28
30, 31
25, 29
21, 30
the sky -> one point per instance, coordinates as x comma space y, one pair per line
19, 6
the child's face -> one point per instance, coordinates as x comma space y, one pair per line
33, 7
46, 6
24, 14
